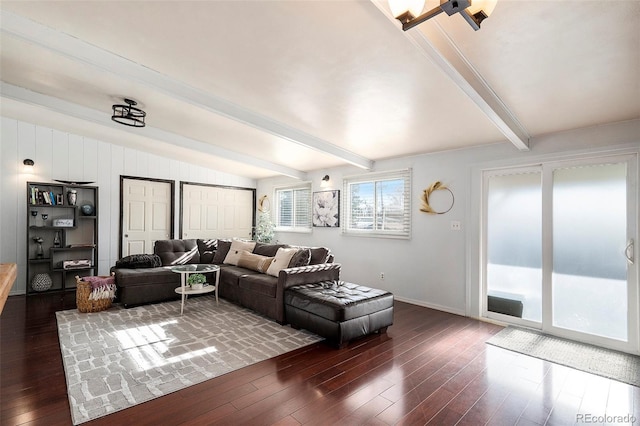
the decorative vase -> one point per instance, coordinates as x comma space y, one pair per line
197, 286
39, 250
41, 282
72, 197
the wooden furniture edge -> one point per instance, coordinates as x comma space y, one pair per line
8, 273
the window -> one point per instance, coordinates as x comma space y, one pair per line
378, 204
293, 208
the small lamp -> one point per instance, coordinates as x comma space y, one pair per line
28, 165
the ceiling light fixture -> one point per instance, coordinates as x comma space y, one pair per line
128, 115
473, 11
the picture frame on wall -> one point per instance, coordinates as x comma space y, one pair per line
325, 209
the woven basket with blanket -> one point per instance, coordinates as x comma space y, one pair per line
95, 294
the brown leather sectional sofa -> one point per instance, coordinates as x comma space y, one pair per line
247, 287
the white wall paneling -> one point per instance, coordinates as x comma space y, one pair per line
59, 155
44, 151
60, 163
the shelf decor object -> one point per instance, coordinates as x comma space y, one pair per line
72, 196
87, 209
41, 282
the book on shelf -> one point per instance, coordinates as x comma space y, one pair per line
39, 197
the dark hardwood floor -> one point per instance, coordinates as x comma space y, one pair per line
430, 368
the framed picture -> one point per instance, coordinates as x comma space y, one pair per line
325, 209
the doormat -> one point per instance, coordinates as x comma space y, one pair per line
581, 356
118, 358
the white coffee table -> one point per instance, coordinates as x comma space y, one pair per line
185, 270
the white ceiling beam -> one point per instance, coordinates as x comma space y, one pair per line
79, 50
432, 41
70, 109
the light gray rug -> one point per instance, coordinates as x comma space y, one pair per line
122, 357
592, 359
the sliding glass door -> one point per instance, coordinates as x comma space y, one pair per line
513, 226
558, 249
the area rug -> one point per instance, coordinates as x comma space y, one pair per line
592, 359
122, 357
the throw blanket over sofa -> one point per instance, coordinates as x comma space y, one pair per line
252, 274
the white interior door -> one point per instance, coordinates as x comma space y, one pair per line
146, 214
216, 212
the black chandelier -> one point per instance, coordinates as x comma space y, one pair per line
128, 114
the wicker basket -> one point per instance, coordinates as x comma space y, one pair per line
84, 304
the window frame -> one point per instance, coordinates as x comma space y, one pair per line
276, 192
376, 178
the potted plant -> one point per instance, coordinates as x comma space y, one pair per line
196, 281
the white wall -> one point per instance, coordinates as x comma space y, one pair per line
60, 155
439, 267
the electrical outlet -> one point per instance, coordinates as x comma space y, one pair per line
456, 225
382, 275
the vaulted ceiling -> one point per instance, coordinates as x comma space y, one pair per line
260, 88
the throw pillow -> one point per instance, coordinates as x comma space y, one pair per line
264, 249
281, 261
135, 261
319, 255
207, 249
234, 251
221, 252
255, 262
301, 258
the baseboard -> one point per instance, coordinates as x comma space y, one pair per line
431, 306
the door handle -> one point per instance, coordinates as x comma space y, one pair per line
628, 251
126, 235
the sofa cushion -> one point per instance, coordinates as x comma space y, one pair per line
230, 274
139, 261
268, 250
207, 249
259, 283
177, 252
255, 262
221, 251
141, 277
237, 246
301, 258
281, 260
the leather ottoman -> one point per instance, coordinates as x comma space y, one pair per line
338, 310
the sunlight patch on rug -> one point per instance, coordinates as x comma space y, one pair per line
581, 356
122, 357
